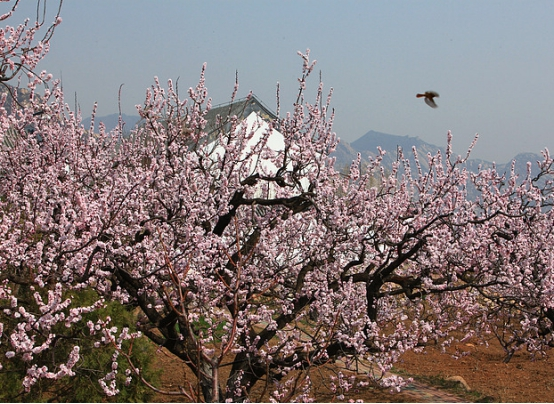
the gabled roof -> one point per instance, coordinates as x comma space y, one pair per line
241, 108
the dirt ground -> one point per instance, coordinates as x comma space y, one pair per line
520, 380
489, 379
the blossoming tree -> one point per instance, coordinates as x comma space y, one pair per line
252, 262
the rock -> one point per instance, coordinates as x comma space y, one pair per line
459, 380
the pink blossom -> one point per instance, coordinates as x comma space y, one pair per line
227, 245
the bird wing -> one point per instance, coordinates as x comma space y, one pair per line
429, 101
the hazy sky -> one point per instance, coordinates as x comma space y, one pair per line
492, 62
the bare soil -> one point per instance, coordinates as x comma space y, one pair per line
482, 368
520, 380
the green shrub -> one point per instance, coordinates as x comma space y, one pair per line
95, 362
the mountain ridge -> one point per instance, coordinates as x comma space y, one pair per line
367, 145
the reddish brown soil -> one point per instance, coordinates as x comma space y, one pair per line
520, 380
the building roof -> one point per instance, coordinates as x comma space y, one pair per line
241, 108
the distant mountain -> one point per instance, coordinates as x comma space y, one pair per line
372, 139
367, 147
368, 143
111, 121
393, 144
344, 154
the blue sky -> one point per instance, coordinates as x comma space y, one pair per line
492, 62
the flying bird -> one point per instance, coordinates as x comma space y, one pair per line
429, 95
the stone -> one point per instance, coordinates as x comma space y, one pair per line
459, 380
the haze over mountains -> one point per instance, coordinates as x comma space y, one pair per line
367, 145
